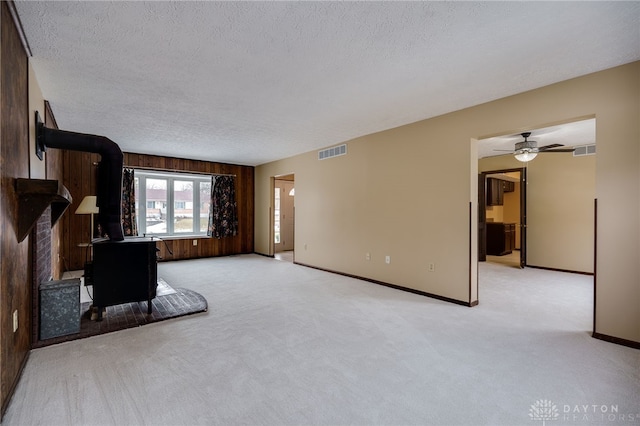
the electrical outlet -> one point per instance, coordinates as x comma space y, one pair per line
367, 256
15, 320
387, 259
195, 242
432, 267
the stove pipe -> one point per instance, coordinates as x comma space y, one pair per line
109, 191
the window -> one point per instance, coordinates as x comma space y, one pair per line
172, 204
205, 204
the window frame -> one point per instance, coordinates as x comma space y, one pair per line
141, 175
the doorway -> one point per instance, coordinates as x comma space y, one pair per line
284, 217
502, 217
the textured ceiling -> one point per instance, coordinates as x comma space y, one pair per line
582, 132
251, 82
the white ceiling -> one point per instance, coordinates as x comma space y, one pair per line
572, 134
251, 82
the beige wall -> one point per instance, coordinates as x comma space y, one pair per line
495, 213
560, 212
560, 193
405, 193
362, 203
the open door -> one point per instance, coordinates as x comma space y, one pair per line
482, 218
523, 217
522, 214
283, 218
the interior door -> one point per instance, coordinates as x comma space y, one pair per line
287, 219
523, 217
482, 218
283, 216
482, 214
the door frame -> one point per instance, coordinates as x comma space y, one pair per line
482, 217
272, 196
272, 205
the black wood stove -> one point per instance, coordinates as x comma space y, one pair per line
124, 271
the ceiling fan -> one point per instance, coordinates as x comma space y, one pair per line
528, 150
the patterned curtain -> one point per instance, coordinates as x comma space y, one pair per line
223, 215
129, 225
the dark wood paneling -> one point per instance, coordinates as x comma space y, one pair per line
79, 178
15, 271
207, 247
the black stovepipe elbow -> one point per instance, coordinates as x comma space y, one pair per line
109, 195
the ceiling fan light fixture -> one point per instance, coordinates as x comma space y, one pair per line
525, 156
527, 145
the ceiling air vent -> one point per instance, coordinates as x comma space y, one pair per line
332, 152
584, 150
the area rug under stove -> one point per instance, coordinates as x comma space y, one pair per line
168, 303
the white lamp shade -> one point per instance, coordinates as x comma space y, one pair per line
88, 205
526, 156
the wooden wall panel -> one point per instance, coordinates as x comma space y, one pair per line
80, 179
80, 175
15, 270
207, 247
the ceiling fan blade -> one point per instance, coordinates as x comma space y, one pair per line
546, 147
504, 150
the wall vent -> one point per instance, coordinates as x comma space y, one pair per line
332, 152
584, 150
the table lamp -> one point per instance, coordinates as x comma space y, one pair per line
88, 206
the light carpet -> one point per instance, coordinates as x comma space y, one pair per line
284, 344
